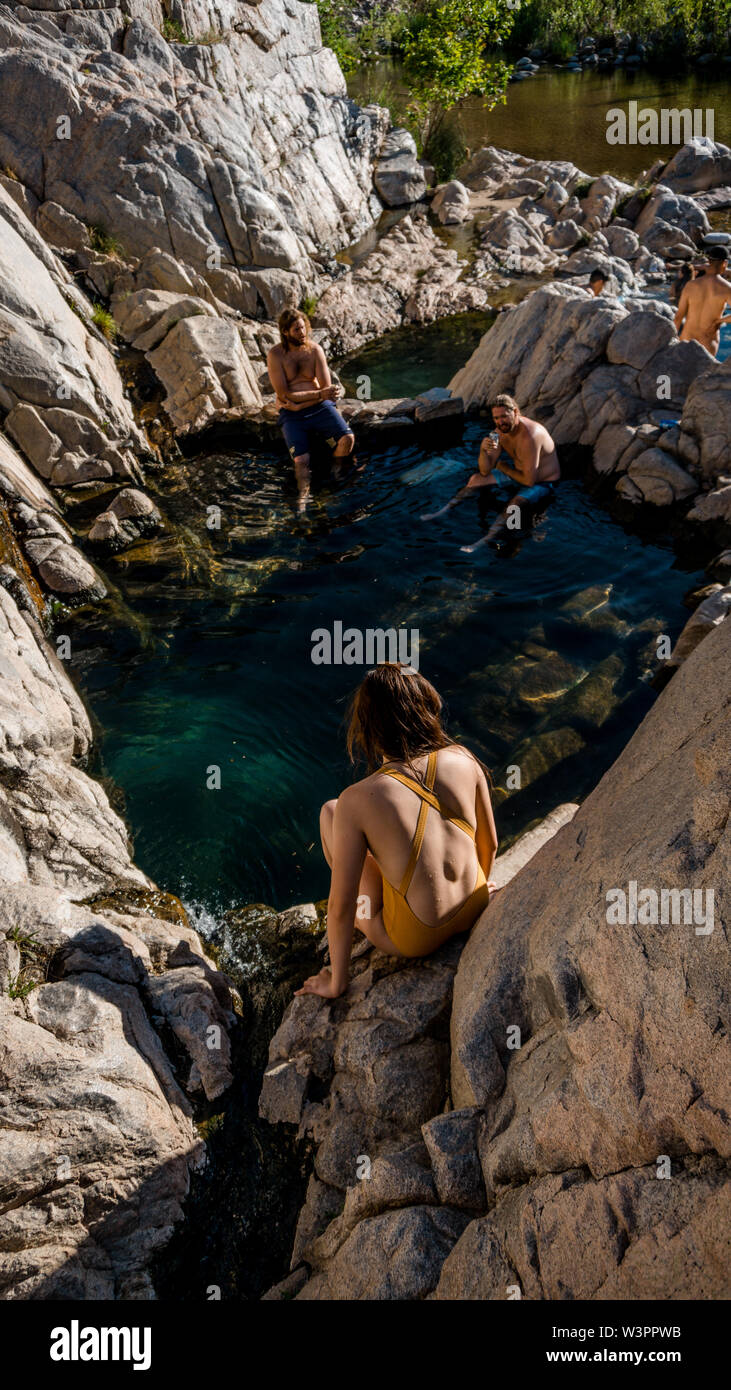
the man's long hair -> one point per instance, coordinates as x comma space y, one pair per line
285, 321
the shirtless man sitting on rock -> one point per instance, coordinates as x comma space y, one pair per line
522, 450
702, 302
305, 393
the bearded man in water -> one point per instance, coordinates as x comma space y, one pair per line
305, 394
520, 449
702, 302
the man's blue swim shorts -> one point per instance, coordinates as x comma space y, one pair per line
539, 492
321, 418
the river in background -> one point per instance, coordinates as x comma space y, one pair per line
558, 114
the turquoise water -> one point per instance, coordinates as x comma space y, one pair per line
542, 657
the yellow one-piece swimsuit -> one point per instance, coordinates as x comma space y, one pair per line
408, 933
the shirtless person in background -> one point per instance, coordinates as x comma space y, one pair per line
305, 394
522, 450
702, 302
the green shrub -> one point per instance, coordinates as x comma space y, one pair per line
103, 242
104, 322
19, 987
447, 150
173, 31
448, 55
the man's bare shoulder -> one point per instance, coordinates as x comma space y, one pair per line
277, 351
536, 431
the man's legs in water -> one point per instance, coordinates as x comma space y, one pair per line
303, 476
528, 502
484, 477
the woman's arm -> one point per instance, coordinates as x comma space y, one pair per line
349, 848
486, 836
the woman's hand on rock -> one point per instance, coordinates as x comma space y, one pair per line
321, 984
493, 887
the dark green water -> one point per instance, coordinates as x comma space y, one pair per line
542, 657
562, 115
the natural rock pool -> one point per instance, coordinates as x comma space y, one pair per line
203, 658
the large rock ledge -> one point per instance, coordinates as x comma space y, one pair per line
611, 376
112, 1020
559, 1126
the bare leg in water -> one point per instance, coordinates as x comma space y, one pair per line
303, 475
343, 456
497, 528
484, 477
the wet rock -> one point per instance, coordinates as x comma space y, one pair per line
132, 514
398, 176
451, 203
655, 477
699, 164
64, 570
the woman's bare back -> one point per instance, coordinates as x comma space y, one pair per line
388, 812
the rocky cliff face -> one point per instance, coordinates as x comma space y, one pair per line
235, 151
557, 1128
103, 984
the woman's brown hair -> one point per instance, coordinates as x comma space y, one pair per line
396, 713
285, 321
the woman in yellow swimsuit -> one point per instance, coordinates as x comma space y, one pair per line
421, 820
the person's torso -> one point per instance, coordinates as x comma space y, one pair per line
706, 299
446, 869
520, 447
300, 370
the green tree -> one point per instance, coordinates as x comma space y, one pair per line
448, 56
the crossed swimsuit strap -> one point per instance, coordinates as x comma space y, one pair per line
428, 798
